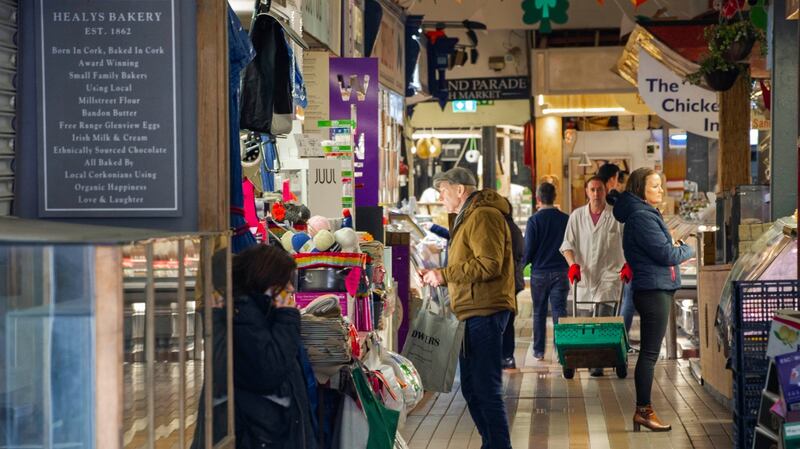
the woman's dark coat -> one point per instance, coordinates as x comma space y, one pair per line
266, 342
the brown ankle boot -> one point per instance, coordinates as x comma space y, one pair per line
646, 416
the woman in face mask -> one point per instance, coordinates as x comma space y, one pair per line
272, 407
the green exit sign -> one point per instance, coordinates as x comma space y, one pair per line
465, 106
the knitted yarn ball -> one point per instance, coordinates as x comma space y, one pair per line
302, 243
318, 223
347, 239
286, 241
324, 240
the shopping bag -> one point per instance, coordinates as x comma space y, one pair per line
434, 341
382, 421
353, 427
408, 378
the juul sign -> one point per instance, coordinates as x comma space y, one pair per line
324, 187
325, 176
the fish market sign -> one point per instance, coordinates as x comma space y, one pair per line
681, 104
506, 88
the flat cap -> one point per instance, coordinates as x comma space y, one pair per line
456, 175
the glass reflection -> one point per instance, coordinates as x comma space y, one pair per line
46, 347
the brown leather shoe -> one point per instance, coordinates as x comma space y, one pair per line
646, 416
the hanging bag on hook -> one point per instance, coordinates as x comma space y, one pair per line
267, 86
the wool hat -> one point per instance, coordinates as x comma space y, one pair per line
302, 243
318, 223
324, 240
348, 239
286, 241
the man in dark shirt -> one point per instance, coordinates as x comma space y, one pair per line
543, 236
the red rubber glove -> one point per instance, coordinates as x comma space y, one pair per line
626, 274
574, 273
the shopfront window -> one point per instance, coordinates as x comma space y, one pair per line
47, 347
171, 321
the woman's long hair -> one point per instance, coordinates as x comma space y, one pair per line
261, 267
638, 181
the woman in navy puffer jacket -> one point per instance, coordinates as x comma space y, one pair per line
654, 259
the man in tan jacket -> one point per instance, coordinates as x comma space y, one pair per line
480, 279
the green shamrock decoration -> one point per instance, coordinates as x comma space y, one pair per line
758, 15
545, 12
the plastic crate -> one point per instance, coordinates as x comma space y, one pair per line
750, 354
747, 394
591, 336
754, 304
743, 432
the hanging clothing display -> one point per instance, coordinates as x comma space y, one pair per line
268, 164
240, 53
298, 84
267, 84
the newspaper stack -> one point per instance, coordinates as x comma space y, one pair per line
325, 338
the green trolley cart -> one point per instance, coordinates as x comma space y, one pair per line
592, 342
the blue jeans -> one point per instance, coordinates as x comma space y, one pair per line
482, 377
628, 308
547, 288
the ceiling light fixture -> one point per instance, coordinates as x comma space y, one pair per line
579, 111
451, 135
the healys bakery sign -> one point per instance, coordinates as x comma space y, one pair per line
505, 88
681, 104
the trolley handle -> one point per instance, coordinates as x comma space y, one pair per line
617, 304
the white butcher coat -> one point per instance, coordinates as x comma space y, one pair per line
598, 250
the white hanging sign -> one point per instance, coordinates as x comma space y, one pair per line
325, 187
681, 104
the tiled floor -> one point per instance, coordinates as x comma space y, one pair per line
547, 411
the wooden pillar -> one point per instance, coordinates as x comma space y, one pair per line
109, 402
212, 116
734, 136
550, 154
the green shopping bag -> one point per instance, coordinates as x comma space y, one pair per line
382, 421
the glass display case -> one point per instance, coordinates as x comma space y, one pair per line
687, 231
76, 301
750, 207
772, 257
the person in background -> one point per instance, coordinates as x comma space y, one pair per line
593, 249
480, 280
653, 256
219, 283
272, 405
544, 233
614, 179
518, 249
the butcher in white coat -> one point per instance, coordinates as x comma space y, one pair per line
593, 247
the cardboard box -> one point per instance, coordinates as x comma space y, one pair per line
744, 247
784, 335
744, 233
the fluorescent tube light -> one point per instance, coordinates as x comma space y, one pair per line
450, 135
581, 110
